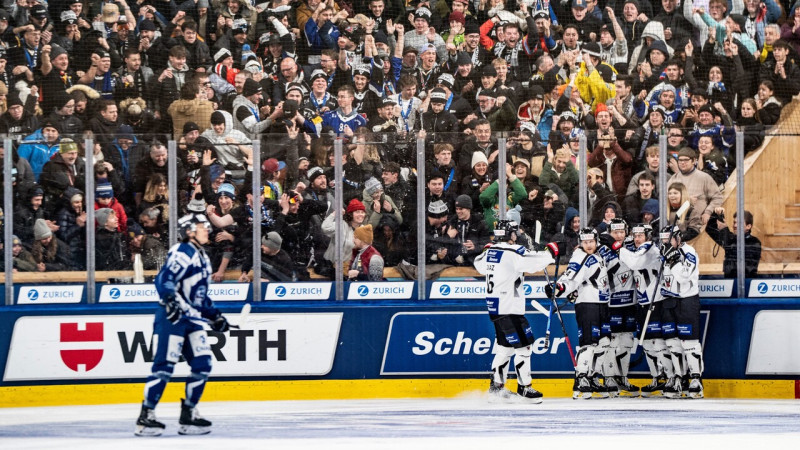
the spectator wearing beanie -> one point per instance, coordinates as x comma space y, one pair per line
63, 114
17, 121
50, 254
380, 204
470, 232
353, 217
104, 198
276, 264
71, 220
111, 252
65, 169
367, 262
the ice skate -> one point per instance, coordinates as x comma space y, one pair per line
624, 387
599, 390
527, 394
581, 388
673, 388
654, 389
499, 394
695, 389
147, 424
191, 422
612, 386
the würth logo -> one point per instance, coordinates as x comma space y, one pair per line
82, 360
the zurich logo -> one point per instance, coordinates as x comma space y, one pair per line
33, 295
528, 289
762, 288
114, 293
363, 291
280, 291
444, 289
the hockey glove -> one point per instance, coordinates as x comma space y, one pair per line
606, 239
548, 290
671, 256
553, 249
616, 246
220, 323
173, 310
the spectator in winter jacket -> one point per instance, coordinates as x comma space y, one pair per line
469, 232
50, 253
104, 198
111, 253
719, 231
39, 147
71, 220
192, 106
64, 170
367, 263
28, 212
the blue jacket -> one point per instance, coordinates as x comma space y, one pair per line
34, 149
321, 38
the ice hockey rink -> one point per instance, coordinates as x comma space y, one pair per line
468, 422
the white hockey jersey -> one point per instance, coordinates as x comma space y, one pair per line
645, 261
620, 279
587, 275
683, 279
504, 266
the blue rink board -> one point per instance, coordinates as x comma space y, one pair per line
363, 353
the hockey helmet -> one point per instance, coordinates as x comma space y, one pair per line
670, 230
644, 228
189, 223
504, 228
588, 234
618, 224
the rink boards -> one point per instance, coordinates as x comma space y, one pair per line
292, 349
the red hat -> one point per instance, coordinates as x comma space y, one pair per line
457, 16
600, 108
272, 165
355, 205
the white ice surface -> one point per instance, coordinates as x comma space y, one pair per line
463, 423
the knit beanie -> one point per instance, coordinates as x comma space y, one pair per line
372, 186
104, 190
355, 205
67, 145
364, 234
478, 157
197, 205
272, 240
101, 216
41, 230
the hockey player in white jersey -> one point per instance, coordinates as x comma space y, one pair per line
622, 312
504, 263
680, 324
182, 285
586, 278
644, 258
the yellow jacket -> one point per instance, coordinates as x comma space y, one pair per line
592, 87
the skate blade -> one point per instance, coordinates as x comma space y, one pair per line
528, 400
629, 394
501, 399
600, 395
192, 430
581, 395
695, 395
147, 431
672, 395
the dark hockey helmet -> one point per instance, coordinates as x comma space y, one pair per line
643, 228
587, 234
189, 223
618, 224
504, 228
674, 230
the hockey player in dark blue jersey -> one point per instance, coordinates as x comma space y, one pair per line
182, 286
343, 120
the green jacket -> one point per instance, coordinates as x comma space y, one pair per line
489, 202
568, 181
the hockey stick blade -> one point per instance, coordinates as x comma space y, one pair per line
538, 306
244, 314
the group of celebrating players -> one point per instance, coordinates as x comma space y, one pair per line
622, 281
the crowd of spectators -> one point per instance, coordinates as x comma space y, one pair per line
214, 76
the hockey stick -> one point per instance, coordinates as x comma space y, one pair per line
561, 319
244, 314
555, 275
684, 207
